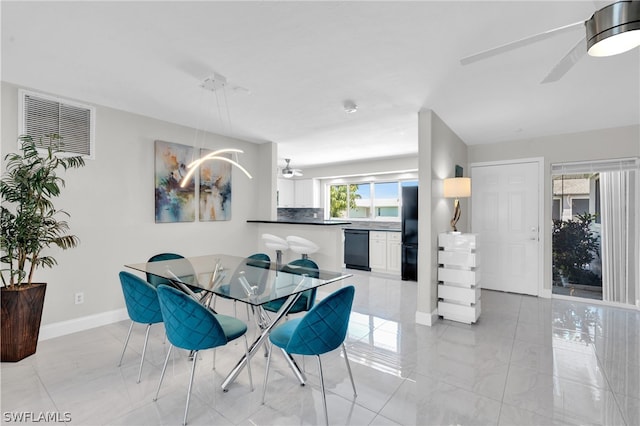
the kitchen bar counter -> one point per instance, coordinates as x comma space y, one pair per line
326, 234
293, 222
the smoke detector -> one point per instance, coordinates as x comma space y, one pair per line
350, 107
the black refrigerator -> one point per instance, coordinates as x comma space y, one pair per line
410, 233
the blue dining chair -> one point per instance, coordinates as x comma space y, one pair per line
194, 327
141, 299
308, 297
321, 330
155, 280
187, 274
258, 276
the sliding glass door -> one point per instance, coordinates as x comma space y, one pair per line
595, 245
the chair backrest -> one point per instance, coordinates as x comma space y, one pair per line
189, 324
311, 269
254, 269
324, 327
261, 258
141, 299
155, 280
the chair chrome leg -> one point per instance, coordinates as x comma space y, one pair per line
193, 370
246, 349
144, 351
294, 367
266, 372
126, 342
214, 359
164, 368
324, 395
346, 359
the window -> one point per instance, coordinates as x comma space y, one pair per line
361, 193
42, 115
387, 200
367, 200
595, 250
579, 206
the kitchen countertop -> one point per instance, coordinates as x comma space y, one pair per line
292, 222
373, 227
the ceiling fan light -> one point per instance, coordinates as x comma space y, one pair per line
614, 29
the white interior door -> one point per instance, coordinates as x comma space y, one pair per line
505, 212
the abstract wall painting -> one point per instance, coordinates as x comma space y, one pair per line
215, 188
173, 203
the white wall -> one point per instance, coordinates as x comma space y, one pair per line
440, 150
111, 202
602, 144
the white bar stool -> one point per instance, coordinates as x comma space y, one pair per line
276, 243
302, 246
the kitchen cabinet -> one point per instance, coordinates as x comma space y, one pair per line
385, 251
458, 277
286, 194
298, 193
306, 193
378, 250
394, 252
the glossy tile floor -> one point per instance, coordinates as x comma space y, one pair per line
527, 361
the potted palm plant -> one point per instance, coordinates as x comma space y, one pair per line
30, 224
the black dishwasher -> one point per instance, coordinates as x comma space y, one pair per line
356, 249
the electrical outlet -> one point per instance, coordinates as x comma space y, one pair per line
79, 298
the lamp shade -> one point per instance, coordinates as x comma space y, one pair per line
459, 187
614, 29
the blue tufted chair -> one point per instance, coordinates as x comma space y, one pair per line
321, 330
141, 300
155, 280
259, 260
187, 274
308, 298
194, 327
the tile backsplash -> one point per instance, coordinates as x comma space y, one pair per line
301, 214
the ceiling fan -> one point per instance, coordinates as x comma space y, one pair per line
611, 30
288, 172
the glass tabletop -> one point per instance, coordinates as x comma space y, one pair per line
239, 278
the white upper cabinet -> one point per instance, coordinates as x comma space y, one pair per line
307, 193
286, 194
298, 193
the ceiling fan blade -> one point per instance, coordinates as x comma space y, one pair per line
565, 64
519, 43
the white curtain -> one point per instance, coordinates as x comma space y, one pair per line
619, 227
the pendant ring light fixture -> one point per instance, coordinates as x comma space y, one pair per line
614, 29
215, 83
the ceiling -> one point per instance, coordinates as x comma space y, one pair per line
300, 61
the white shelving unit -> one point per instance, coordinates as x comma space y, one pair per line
458, 277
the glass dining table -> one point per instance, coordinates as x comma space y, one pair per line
252, 281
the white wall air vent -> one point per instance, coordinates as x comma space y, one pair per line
41, 115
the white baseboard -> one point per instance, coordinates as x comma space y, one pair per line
62, 328
426, 318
